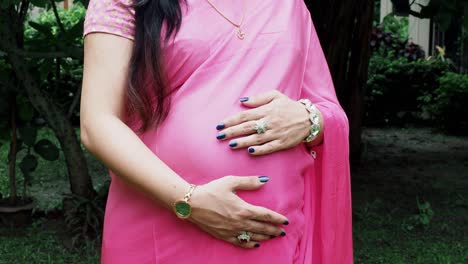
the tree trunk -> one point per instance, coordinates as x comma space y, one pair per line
13, 150
80, 180
344, 29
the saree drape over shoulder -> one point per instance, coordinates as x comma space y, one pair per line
209, 69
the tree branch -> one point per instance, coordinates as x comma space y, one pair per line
57, 17
73, 53
416, 14
23, 10
75, 102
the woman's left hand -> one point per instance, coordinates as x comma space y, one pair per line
287, 123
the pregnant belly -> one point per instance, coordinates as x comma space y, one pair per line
187, 143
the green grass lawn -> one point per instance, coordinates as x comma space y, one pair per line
50, 180
400, 166
46, 240
40, 245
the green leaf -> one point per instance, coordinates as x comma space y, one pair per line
465, 18
4, 132
47, 150
424, 206
444, 19
430, 9
28, 164
7, 3
424, 219
75, 31
84, 2
39, 3
28, 134
19, 145
42, 28
25, 109
4, 107
27, 178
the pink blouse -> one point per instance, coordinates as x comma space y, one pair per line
111, 16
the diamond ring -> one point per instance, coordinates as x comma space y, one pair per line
244, 237
260, 126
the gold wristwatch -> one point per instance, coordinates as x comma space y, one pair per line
182, 207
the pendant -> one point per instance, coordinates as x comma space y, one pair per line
240, 33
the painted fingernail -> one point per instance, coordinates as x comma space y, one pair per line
233, 144
251, 150
283, 233
221, 136
220, 126
286, 223
257, 245
244, 99
264, 178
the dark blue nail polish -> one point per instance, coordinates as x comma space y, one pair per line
221, 136
286, 223
283, 233
244, 99
264, 178
257, 245
220, 126
251, 150
233, 144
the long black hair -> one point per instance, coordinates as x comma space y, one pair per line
146, 77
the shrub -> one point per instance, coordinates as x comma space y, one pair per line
391, 38
446, 105
398, 26
59, 78
394, 86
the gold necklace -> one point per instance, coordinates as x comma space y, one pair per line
240, 33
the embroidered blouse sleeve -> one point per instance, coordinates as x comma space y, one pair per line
110, 16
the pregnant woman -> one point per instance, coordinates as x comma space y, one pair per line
222, 132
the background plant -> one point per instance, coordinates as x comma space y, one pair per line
394, 86
44, 55
446, 105
32, 59
422, 218
390, 38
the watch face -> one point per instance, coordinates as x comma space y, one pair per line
182, 209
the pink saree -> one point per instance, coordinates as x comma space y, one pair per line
211, 68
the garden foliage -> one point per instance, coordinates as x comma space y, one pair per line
446, 106
394, 86
404, 87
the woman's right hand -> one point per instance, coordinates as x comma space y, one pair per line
217, 210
